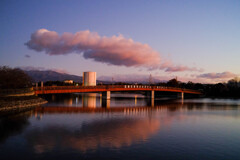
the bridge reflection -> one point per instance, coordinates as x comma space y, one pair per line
39, 111
96, 100
93, 102
55, 109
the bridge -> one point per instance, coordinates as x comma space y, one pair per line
107, 89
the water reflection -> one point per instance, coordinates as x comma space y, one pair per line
96, 100
114, 134
83, 127
89, 100
159, 106
13, 125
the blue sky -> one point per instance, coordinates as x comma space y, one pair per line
199, 34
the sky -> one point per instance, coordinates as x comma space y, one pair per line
195, 41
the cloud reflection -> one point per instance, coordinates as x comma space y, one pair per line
115, 133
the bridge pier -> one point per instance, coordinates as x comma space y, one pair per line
181, 95
151, 94
106, 95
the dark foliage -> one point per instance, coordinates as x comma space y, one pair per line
14, 78
221, 90
59, 83
173, 83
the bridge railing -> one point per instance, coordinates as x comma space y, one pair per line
98, 87
67, 87
112, 87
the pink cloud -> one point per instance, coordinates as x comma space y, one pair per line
181, 68
223, 75
115, 50
170, 67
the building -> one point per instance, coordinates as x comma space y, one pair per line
68, 81
89, 79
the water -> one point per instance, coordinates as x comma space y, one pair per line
83, 126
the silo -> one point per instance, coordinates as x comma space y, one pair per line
89, 78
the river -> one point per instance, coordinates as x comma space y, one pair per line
129, 126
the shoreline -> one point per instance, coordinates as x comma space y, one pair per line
12, 105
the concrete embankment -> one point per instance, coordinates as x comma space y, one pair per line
9, 105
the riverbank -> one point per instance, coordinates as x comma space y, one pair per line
9, 105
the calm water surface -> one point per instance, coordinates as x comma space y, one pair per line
129, 126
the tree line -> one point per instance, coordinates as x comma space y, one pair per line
229, 89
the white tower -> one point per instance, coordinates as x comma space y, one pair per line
89, 78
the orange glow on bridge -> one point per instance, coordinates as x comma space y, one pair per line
105, 88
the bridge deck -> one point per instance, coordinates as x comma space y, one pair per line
104, 88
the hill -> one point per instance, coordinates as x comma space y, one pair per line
49, 75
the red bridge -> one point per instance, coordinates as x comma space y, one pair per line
106, 89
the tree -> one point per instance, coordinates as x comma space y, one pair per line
13, 78
234, 82
173, 82
190, 85
198, 86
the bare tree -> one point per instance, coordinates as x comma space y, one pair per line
13, 78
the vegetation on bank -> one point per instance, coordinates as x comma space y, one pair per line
231, 89
14, 78
59, 83
14, 85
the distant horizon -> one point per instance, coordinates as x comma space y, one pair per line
122, 78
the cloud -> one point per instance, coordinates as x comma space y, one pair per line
125, 78
27, 56
223, 75
29, 68
144, 78
181, 68
115, 50
32, 68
